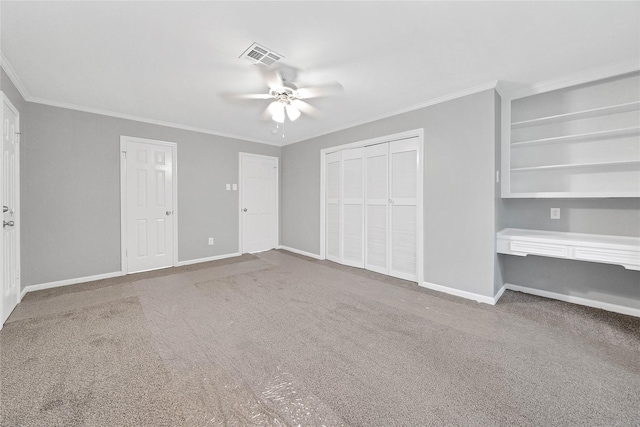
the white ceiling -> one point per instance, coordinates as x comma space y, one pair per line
170, 61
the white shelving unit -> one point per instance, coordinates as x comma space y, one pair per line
619, 250
574, 141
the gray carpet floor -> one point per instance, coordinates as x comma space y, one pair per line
277, 339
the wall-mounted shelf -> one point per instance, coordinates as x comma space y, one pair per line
591, 136
630, 163
575, 141
578, 115
606, 249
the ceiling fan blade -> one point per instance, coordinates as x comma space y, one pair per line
235, 96
270, 76
307, 108
321, 90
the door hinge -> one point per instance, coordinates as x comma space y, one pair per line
125, 154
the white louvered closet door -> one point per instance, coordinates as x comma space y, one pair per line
376, 201
333, 208
403, 208
353, 207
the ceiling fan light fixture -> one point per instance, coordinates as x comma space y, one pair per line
277, 111
292, 112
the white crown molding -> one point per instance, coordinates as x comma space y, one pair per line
586, 76
14, 77
429, 103
143, 120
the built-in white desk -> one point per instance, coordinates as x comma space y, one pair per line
620, 250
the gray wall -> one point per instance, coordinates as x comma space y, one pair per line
71, 197
459, 188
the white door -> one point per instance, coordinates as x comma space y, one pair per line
353, 207
333, 206
149, 205
377, 201
10, 257
403, 208
258, 202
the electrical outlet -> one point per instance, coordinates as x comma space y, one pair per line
235, 187
228, 187
210, 241
555, 213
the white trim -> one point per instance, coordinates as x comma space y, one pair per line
207, 259
629, 66
14, 77
144, 120
240, 216
299, 252
67, 282
23, 293
459, 293
630, 311
428, 103
414, 133
123, 196
498, 294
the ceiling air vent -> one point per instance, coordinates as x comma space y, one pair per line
261, 55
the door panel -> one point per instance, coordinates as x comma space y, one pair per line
259, 187
377, 200
333, 200
403, 176
10, 246
353, 207
150, 210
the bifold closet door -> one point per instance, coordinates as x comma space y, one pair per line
333, 238
353, 207
377, 201
403, 208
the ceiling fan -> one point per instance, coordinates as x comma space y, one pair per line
287, 99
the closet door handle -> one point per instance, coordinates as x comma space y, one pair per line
5, 208
391, 201
7, 224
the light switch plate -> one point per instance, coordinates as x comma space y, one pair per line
555, 213
228, 187
235, 187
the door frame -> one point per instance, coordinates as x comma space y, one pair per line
123, 196
242, 155
414, 133
5, 99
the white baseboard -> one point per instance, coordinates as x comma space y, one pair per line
207, 259
59, 283
299, 252
497, 296
22, 294
459, 293
630, 311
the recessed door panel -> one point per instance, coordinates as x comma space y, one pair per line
149, 206
259, 204
10, 195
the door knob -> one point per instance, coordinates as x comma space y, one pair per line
244, 210
169, 213
7, 223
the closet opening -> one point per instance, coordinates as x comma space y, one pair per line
372, 204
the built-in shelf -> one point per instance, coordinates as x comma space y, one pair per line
578, 115
572, 195
578, 165
591, 148
606, 249
591, 136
